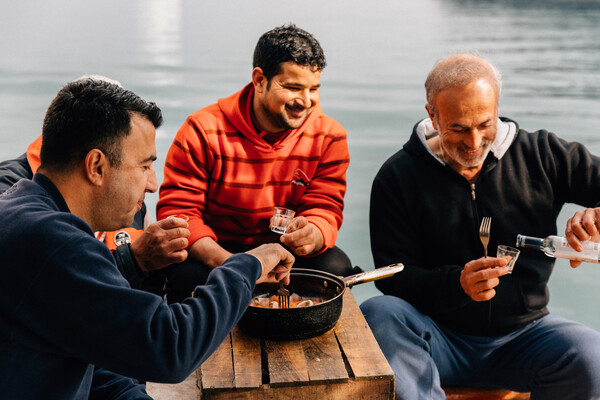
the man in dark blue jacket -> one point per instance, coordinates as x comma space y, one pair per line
71, 327
141, 246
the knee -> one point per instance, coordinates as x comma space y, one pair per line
587, 367
381, 312
334, 260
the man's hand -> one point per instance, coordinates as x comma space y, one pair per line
479, 277
584, 225
162, 243
276, 262
302, 237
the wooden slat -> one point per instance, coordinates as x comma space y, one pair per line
474, 393
286, 361
217, 370
246, 360
359, 345
324, 359
354, 390
186, 390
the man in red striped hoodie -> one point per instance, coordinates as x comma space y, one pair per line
267, 145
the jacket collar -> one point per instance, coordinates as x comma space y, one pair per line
507, 131
52, 190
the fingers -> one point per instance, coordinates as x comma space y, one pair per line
583, 226
176, 257
161, 244
172, 222
275, 260
304, 238
296, 224
479, 277
575, 263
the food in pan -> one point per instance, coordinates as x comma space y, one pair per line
272, 301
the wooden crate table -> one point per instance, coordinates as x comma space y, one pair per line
343, 363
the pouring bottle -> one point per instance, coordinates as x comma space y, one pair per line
557, 246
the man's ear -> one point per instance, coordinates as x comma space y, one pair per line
259, 80
431, 116
96, 166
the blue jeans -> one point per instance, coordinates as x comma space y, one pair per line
552, 358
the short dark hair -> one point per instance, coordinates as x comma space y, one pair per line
90, 113
287, 43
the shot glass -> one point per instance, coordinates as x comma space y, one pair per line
281, 219
509, 253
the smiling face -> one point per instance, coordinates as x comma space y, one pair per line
285, 101
466, 120
128, 182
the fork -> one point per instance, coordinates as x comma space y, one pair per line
484, 233
284, 296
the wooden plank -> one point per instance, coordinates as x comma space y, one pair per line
286, 362
359, 345
186, 390
217, 370
480, 393
246, 360
324, 359
355, 390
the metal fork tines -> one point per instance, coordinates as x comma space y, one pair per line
484, 233
284, 296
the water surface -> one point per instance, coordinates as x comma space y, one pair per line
185, 55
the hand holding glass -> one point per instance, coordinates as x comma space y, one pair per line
281, 219
509, 253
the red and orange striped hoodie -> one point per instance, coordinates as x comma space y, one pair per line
227, 179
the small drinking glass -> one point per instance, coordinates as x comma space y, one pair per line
281, 219
509, 253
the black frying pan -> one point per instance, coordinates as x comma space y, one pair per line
305, 322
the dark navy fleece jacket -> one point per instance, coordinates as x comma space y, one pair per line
65, 310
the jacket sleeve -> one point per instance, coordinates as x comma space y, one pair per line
397, 237
12, 171
128, 266
323, 202
108, 385
185, 185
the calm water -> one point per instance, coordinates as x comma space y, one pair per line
185, 54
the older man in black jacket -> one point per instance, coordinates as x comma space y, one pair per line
454, 316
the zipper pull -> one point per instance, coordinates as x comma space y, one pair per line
473, 191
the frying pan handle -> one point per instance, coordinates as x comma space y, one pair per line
377, 273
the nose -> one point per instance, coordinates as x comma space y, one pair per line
474, 139
305, 98
151, 182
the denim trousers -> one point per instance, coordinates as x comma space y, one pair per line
553, 358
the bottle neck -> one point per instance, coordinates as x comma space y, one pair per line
529, 241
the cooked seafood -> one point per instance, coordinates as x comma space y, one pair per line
266, 301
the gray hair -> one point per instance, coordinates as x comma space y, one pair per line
99, 78
459, 70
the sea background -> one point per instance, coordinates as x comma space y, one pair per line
186, 54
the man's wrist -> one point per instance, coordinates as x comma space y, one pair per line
128, 265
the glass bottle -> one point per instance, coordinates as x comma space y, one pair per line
557, 246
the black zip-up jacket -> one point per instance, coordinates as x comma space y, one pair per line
426, 215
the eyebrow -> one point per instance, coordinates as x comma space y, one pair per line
456, 125
152, 158
299, 84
